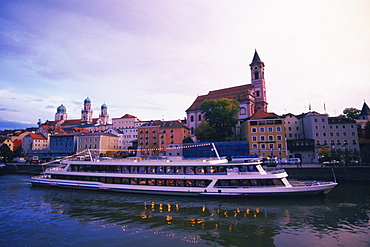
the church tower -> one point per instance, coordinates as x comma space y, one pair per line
86, 112
61, 113
103, 117
258, 82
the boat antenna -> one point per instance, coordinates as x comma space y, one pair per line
215, 149
91, 159
335, 179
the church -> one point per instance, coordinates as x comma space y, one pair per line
251, 97
87, 121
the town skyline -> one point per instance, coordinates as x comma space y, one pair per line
153, 64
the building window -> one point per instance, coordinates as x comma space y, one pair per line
254, 130
262, 129
243, 111
191, 118
262, 138
200, 117
278, 129
256, 76
254, 138
271, 138
269, 129
279, 138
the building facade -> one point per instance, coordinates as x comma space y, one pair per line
102, 143
156, 136
265, 134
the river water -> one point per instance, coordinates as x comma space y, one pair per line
40, 216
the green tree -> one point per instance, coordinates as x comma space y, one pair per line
187, 140
221, 116
367, 130
351, 113
324, 154
6, 153
205, 133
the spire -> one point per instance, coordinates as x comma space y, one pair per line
256, 58
365, 111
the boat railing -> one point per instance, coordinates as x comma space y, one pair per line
297, 183
274, 170
54, 169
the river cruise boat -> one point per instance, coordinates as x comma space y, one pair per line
204, 177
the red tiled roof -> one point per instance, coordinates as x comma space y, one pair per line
50, 129
238, 93
37, 136
128, 116
263, 115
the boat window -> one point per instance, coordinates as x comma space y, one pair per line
133, 181
170, 182
169, 170
189, 170
151, 170
221, 170
244, 182
160, 182
222, 183
255, 182
277, 182
243, 168
234, 182
211, 170
200, 183
102, 179
179, 182
189, 183
125, 180
125, 169
151, 181
200, 170
142, 181
252, 168
142, 169
109, 180
160, 170
117, 180
134, 169
179, 170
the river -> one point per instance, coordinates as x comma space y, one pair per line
40, 216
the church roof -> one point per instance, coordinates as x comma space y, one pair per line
365, 110
238, 93
256, 58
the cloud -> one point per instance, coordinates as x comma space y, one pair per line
9, 110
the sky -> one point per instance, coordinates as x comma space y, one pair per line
152, 59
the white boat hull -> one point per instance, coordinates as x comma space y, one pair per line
317, 188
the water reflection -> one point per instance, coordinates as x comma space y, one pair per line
221, 221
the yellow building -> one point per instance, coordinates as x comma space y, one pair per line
102, 142
266, 135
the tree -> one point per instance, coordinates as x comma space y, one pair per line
221, 116
205, 133
6, 153
367, 130
324, 154
187, 140
351, 113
